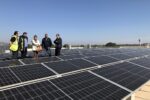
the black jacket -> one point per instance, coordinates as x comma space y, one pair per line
58, 43
22, 42
46, 43
13, 39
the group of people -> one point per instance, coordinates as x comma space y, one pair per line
20, 43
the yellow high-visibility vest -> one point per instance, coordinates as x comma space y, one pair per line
14, 45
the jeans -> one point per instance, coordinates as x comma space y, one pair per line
48, 51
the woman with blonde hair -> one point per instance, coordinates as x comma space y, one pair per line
36, 46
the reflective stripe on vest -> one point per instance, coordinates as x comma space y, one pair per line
22, 46
14, 45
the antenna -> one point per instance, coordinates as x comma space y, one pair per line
139, 40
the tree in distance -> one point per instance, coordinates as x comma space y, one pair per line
111, 44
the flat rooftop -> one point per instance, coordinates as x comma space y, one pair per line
78, 74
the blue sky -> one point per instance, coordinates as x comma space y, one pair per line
78, 21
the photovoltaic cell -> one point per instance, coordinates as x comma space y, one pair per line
40, 60
80, 63
102, 60
70, 52
134, 54
141, 71
7, 77
38, 91
121, 76
9, 63
4, 56
86, 86
121, 56
143, 61
30, 72
62, 66
91, 54
71, 57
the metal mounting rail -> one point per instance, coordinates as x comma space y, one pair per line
26, 83
138, 65
60, 58
21, 62
61, 90
49, 68
111, 81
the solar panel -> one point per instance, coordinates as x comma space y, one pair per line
39, 91
40, 60
7, 77
80, 63
141, 71
41, 54
143, 61
86, 86
30, 72
9, 63
70, 52
141, 53
71, 57
121, 76
113, 83
102, 60
91, 54
134, 54
62, 66
121, 56
4, 56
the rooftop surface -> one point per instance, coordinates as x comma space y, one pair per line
143, 93
85, 74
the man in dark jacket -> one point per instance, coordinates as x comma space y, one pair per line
58, 45
23, 44
46, 44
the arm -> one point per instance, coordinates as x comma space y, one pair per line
38, 43
34, 43
43, 42
19, 43
56, 42
61, 42
50, 42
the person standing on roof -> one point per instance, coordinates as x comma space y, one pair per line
36, 46
46, 44
14, 45
23, 44
58, 45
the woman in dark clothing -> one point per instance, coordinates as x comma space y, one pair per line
58, 45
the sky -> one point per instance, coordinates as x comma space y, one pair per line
77, 21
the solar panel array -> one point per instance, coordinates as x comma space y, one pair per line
86, 74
